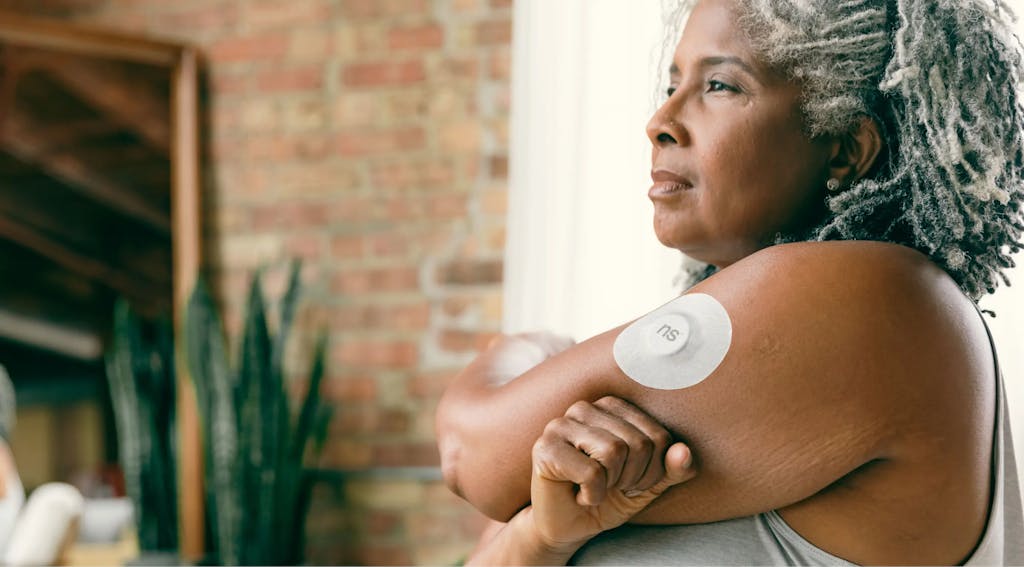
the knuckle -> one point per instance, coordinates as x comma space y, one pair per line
555, 426
646, 444
578, 409
609, 402
618, 448
541, 449
591, 473
661, 438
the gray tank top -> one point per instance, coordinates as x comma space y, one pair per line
766, 539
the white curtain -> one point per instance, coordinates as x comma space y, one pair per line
582, 256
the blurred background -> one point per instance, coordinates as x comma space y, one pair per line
446, 169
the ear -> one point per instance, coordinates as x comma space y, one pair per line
854, 153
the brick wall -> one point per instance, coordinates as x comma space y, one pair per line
368, 137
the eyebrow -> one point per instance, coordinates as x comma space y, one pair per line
716, 60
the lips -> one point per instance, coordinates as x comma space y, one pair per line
668, 184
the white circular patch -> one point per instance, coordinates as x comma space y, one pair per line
677, 345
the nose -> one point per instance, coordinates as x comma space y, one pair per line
665, 127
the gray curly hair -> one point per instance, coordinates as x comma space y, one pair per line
942, 78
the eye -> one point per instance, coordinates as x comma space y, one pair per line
670, 91
718, 86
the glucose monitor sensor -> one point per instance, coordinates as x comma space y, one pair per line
677, 345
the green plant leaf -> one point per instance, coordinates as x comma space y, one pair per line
207, 357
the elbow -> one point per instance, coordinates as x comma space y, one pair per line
476, 487
461, 477
451, 445
450, 451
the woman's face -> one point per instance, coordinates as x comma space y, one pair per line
731, 164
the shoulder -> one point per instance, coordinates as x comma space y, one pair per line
876, 321
866, 294
819, 270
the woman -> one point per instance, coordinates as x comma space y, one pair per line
852, 173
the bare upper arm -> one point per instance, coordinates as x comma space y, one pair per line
801, 399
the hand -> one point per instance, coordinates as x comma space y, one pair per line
598, 466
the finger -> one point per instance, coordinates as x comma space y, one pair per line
679, 468
599, 444
659, 436
558, 466
640, 447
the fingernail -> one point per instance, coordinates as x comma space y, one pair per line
632, 493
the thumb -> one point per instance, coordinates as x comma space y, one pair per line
678, 467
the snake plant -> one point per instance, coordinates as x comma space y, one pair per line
140, 373
257, 489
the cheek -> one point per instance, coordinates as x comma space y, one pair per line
761, 173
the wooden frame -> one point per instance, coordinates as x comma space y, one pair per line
181, 63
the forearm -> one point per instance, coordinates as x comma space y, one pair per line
485, 431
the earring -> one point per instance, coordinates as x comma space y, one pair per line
832, 184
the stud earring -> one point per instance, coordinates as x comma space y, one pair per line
832, 184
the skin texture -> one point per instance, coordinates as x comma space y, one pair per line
858, 395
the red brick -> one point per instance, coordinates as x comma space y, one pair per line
409, 173
343, 247
287, 148
426, 36
376, 353
494, 32
384, 74
307, 247
216, 17
380, 142
402, 317
350, 209
311, 45
228, 81
346, 454
393, 420
471, 272
320, 177
258, 48
447, 206
284, 80
350, 389
376, 280
383, 8
355, 420
410, 245
289, 215
265, 14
